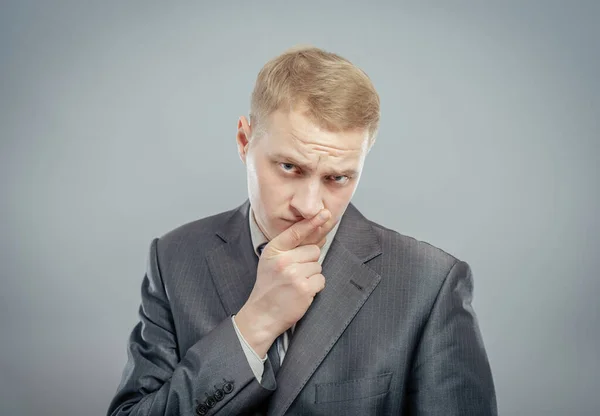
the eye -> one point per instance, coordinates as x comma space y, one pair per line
341, 179
288, 167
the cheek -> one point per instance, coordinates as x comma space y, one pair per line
338, 201
272, 188
273, 183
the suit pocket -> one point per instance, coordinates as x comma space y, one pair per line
352, 389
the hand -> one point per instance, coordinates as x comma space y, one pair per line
287, 279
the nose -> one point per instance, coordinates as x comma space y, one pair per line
307, 200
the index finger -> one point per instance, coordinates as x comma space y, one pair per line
320, 233
297, 233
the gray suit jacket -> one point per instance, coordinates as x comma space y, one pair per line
392, 333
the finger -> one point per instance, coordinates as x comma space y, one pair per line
306, 270
320, 233
304, 254
316, 283
314, 238
297, 233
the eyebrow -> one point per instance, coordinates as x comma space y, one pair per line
290, 159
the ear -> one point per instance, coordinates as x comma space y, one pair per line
244, 133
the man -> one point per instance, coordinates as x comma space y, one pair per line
294, 303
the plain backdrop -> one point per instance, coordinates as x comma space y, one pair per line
118, 121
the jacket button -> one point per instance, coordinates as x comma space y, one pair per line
228, 387
219, 394
201, 410
210, 401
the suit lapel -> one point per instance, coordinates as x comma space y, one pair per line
349, 282
233, 265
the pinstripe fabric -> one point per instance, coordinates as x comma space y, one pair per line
393, 332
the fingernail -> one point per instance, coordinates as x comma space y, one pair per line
323, 215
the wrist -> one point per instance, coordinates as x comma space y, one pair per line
257, 329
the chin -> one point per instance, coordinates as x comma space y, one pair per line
276, 226
283, 224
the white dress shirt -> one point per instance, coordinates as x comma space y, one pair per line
257, 364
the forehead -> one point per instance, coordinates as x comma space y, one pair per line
295, 132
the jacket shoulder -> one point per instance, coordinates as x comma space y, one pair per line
193, 236
408, 248
199, 228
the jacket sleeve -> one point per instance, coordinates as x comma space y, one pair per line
213, 376
451, 374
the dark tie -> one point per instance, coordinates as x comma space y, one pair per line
272, 353
261, 248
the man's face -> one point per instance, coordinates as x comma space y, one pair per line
295, 169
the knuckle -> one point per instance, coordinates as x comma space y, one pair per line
320, 279
315, 251
300, 285
291, 270
280, 264
314, 222
295, 234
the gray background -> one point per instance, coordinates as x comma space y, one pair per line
118, 124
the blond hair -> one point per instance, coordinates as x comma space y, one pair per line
331, 91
